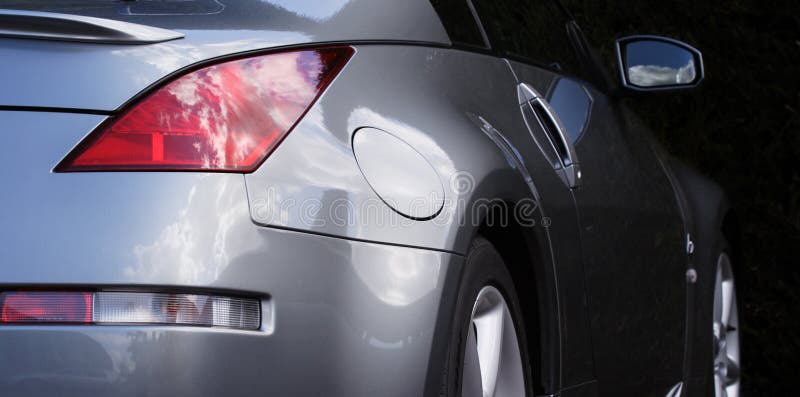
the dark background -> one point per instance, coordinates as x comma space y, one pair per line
742, 128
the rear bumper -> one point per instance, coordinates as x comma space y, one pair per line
350, 318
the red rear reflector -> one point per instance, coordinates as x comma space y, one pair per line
46, 307
225, 117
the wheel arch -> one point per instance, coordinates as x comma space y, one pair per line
714, 225
497, 186
525, 252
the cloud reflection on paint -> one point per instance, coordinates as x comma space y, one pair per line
313, 9
171, 56
402, 278
195, 248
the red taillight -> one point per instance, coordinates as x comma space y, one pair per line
46, 307
224, 117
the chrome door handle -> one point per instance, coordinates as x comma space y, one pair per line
535, 106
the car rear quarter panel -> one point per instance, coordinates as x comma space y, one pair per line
427, 97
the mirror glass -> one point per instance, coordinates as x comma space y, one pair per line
655, 63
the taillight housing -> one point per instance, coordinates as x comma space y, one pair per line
130, 307
226, 117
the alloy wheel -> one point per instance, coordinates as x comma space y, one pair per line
492, 360
726, 332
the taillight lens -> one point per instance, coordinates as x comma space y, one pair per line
46, 307
225, 117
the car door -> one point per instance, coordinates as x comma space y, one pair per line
633, 254
632, 238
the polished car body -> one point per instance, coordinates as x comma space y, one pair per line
355, 297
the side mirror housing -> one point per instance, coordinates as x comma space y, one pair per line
653, 63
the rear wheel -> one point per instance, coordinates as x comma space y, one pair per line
488, 350
727, 357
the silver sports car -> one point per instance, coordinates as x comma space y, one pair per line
350, 198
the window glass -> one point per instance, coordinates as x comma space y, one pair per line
573, 105
535, 30
459, 23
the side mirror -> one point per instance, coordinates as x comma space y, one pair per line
653, 63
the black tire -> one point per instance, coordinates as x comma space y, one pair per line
483, 267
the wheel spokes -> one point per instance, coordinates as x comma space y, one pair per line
719, 387
492, 350
489, 327
731, 372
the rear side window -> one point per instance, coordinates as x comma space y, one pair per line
459, 22
535, 30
